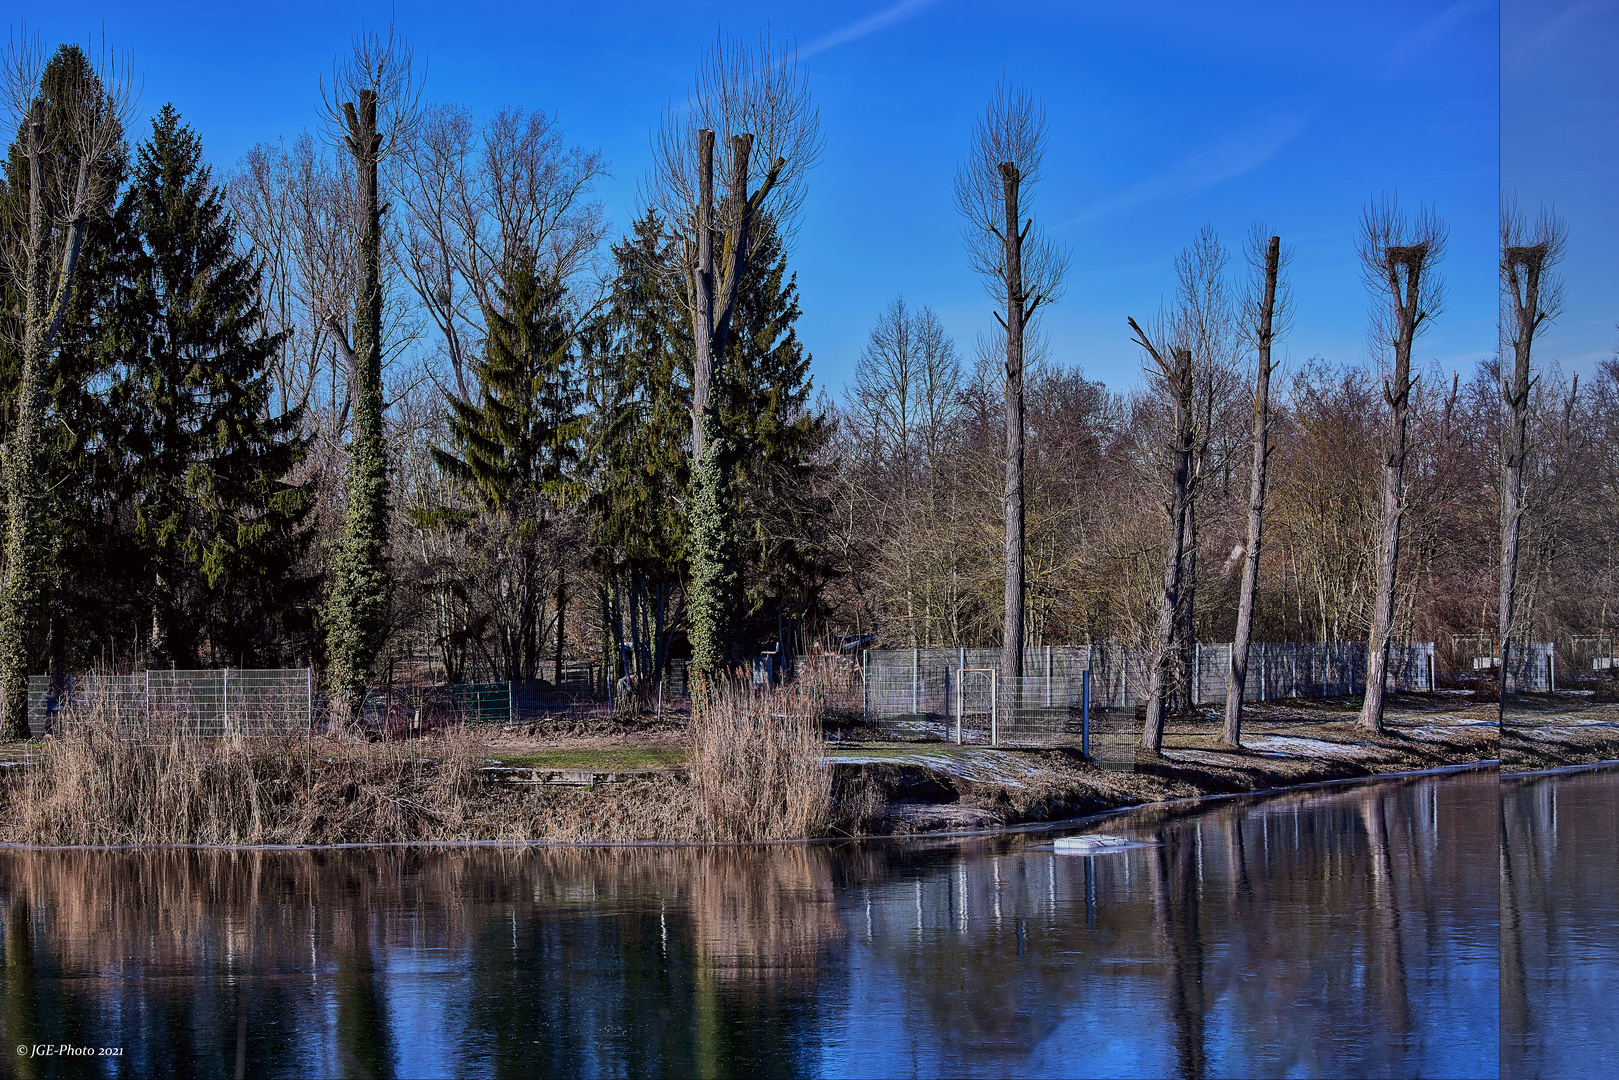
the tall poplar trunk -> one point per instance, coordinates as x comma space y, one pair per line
1524, 266
358, 607
1232, 733
1186, 629
1012, 640
45, 308
714, 291
1397, 393
1179, 376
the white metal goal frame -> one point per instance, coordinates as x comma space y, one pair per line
993, 675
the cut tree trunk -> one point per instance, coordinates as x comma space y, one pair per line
1397, 392
1012, 639
1179, 375
1232, 732
1524, 266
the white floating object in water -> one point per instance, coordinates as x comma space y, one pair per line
1089, 845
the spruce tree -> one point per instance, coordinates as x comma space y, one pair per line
762, 391
215, 523
515, 448
521, 435
730, 524
640, 409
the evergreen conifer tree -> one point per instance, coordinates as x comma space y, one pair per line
204, 462
640, 412
522, 433
516, 448
762, 390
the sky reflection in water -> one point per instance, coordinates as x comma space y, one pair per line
1348, 931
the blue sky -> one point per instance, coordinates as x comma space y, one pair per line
1560, 148
1163, 118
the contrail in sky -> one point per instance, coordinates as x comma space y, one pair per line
869, 25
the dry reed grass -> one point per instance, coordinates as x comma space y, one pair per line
758, 768
757, 772
100, 782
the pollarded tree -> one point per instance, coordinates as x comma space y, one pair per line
71, 117
1024, 270
756, 105
1533, 298
1399, 256
370, 108
89, 548
201, 456
1264, 317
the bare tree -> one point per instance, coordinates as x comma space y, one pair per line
298, 214
1398, 256
1173, 364
67, 128
1533, 298
755, 102
1264, 317
477, 197
370, 107
1024, 270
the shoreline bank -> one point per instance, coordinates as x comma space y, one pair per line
1189, 802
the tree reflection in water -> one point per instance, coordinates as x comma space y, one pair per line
1346, 930
1559, 924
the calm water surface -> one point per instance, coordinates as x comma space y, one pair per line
1560, 925
1340, 931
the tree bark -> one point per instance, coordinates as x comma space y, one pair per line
1179, 376
1397, 392
1186, 626
1232, 732
357, 610
1012, 639
45, 308
714, 293
1524, 266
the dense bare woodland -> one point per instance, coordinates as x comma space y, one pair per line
538, 413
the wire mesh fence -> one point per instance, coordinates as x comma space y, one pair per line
277, 701
912, 693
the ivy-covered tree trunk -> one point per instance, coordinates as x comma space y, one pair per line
712, 552
357, 610
25, 539
714, 574
26, 547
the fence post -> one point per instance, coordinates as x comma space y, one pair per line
958, 707
1048, 676
1551, 667
1085, 723
1197, 673
1433, 680
994, 709
916, 689
865, 685
224, 705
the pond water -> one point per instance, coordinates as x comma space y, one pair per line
1560, 925
1347, 930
